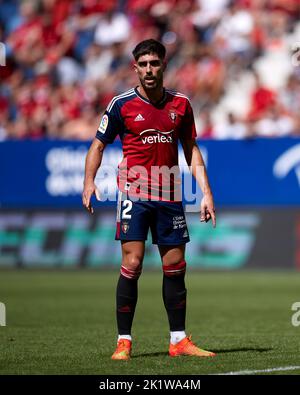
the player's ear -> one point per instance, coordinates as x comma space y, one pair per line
135, 67
164, 65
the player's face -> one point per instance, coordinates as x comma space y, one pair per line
150, 69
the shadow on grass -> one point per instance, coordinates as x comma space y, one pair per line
244, 349
151, 354
230, 350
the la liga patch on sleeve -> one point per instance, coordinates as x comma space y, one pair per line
103, 124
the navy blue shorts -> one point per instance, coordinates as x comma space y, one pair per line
166, 221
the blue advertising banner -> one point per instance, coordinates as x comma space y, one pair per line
246, 172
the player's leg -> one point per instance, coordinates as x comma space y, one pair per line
171, 235
127, 294
174, 296
132, 230
170, 232
127, 288
173, 289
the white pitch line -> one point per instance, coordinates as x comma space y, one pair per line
279, 369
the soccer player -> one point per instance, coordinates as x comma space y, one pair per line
150, 121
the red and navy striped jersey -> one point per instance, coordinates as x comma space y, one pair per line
149, 134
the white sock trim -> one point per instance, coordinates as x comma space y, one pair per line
128, 337
177, 336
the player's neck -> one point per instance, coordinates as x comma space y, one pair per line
152, 95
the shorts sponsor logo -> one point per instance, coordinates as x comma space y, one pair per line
179, 223
103, 124
153, 136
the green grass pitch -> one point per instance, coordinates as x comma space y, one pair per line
64, 323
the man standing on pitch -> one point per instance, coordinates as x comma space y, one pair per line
150, 121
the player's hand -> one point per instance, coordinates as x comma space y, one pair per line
88, 191
208, 211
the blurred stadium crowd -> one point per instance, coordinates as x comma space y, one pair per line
65, 60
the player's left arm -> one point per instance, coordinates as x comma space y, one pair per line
196, 163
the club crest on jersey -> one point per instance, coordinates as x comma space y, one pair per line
103, 124
125, 227
173, 115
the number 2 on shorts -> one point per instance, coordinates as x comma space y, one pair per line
127, 204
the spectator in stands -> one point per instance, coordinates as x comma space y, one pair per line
231, 128
262, 98
67, 55
274, 123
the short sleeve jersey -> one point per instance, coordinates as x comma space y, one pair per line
149, 134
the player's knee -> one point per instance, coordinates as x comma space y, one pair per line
131, 267
174, 269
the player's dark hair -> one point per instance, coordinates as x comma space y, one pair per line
149, 46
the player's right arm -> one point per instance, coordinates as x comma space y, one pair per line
110, 125
92, 163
